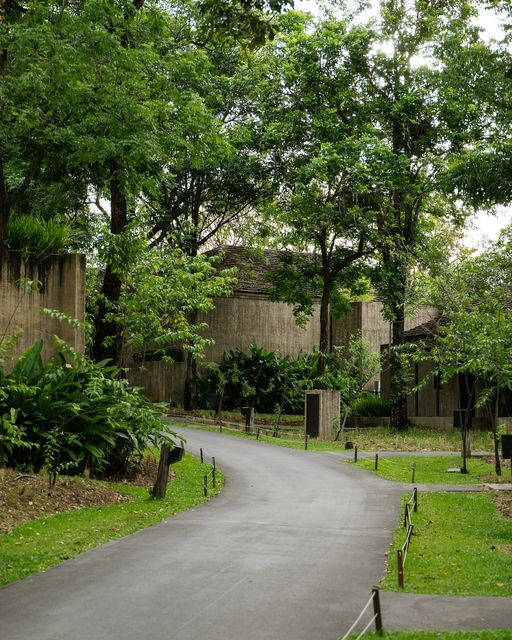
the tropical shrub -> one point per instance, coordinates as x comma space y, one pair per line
370, 405
274, 383
73, 415
37, 238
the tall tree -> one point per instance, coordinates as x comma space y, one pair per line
309, 106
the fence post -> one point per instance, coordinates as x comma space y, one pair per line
415, 497
214, 469
258, 434
400, 566
406, 515
305, 441
201, 452
205, 486
376, 462
355, 453
413, 472
377, 611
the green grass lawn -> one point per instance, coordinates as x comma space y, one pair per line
39, 544
432, 470
369, 439
462, 545
504, 634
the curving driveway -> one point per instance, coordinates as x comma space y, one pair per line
289, 549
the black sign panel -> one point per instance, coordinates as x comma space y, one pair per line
506, 447
312, 414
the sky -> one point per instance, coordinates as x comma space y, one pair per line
484, 226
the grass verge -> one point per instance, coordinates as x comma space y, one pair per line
461, 546
39, 544
439, 635
368, 439
432, 470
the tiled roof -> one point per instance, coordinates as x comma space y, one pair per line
254, 266
427, 329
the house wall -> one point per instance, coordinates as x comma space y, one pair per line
61, 287
237, 322
428, 407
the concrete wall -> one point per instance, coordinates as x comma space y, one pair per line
61, 287
238, 321
431, 407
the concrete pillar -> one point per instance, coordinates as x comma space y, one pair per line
322, 408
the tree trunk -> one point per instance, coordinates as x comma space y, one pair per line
325, 307
497, 461
399, 418
4, 207
111, 290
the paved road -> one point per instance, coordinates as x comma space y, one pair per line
289, 550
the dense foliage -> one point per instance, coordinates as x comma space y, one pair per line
72, 415
271, 382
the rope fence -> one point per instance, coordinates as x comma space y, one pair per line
401, 554
376, 618
212, 473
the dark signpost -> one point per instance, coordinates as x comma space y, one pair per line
506, 449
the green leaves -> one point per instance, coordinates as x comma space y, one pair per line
71, 414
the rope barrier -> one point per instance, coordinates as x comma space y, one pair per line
376, 618
363, 611
367, 627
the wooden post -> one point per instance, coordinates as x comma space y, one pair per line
415, 495
214, 469
406, 516
413, 472
160, 487
305, 441
355, 453
400, 566
258, 434
377, 611
376, 462
201, 452
205, 486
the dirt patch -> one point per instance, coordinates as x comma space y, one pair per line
503, 501
24, 497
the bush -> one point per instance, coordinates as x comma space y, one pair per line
262, 379
274, 383
370, 405
73, 415
37, 238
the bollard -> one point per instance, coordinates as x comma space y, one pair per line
413, 472
377, 611
355, 453
201, 452
400, 566
205, 486
376, 462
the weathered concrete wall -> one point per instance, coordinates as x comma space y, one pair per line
61, 287
431, 407
322, 422
237, 322
367, 318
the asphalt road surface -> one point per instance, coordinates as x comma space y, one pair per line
289, 550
